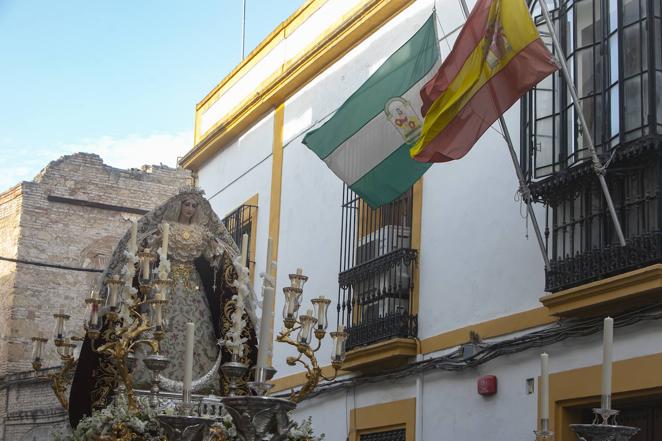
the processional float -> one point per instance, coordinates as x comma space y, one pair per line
122, 319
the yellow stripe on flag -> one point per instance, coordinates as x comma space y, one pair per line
507, 18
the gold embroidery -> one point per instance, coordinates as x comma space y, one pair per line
181, 274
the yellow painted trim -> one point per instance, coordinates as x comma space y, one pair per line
345, 35
381, 417
281, 31
416, 225
640, 286
253, 200
292, 381
582, 387
385, 354
492, 328
276, 183
489, 329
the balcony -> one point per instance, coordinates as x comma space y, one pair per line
612, 48
376, 282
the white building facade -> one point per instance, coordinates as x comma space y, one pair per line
455, 256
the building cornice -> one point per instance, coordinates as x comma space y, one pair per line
290, 77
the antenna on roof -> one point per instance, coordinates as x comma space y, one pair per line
243, 30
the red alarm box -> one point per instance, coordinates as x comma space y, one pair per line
487, 385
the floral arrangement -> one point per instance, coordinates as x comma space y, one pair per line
225, 430
117, 422
233, 339
304, 432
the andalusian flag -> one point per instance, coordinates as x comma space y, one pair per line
366, 143
497, 58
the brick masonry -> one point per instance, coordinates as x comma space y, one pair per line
32, 228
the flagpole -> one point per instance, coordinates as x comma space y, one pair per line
523, 186
599, 169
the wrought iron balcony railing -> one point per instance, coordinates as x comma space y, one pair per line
376, 271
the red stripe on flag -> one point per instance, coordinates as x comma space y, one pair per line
523, 72
470, 36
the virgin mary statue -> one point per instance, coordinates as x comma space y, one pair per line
201, 253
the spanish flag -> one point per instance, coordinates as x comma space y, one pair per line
497, 57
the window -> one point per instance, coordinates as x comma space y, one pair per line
605, 43
376, 270
613, 50
393, 421
387, 435
242, 221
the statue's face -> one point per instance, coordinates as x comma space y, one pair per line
189, 206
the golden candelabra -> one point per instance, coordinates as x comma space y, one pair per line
118, 331
61, 379
314, 322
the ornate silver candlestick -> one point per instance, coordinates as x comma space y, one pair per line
544, 434
155, 363
604, 427
260, 418
262, 375
234, 370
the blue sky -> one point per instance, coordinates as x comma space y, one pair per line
117, 77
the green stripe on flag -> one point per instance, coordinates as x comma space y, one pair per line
390, 178
411, 62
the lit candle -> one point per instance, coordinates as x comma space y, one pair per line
133, 244
266, 340
607, 353
164, 244
188, 360
244, 249
544, 386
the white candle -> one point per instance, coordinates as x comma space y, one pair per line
244, 249
297, 282
266, 328
113, 291
133, 244
607, 351
188, 360
159, 316
268, 266
59, 325
164, 244
544, 386
146, 265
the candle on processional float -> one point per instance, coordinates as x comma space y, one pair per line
164, 244
146, 265
133, 244
607, 354
265, 342
544, 386
266, 328
188, 360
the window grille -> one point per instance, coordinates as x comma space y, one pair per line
389, 435
240, 221
376, 270
613, 49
